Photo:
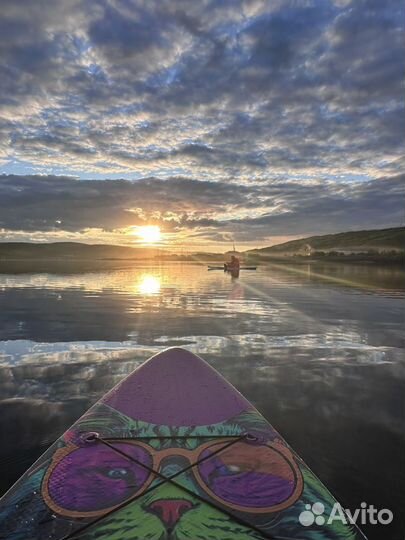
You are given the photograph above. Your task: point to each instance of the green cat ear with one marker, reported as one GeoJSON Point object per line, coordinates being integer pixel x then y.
{"type": "Point", "coordinates": [251, 421]}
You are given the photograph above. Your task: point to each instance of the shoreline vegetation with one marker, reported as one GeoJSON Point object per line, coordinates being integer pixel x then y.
{"type": "Point", "coordinates": [381, 246]}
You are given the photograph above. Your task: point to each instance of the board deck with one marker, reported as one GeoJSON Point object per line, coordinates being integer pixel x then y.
{"type": "Point", "coordinates": [172, 452]}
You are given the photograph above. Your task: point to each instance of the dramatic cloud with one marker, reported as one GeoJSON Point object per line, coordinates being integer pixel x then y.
{"type": "Point", "coordinates": [197, 211]}
{"type": "Point", "coordinates": [207, 104]}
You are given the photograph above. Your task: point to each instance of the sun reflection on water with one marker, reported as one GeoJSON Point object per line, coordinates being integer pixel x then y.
{"type": "Point", "coordinates": [149, 284]}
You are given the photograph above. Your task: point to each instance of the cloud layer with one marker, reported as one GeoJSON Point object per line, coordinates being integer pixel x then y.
{"type": "Point", "coordinates": [196, 211]}
{"type": "Point", "coordinates": [220, 106]}
{"type": "Point", "coordinates": [214, 89]}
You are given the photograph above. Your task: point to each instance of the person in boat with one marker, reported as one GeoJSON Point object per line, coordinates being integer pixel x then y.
{"type": "Point", "coordinates": [234, 265]}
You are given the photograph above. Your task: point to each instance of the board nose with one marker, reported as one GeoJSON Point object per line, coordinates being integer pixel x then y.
{"type": "Point", "coordinates": [177, 388]}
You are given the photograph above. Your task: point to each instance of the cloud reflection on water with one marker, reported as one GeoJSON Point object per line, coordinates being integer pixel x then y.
{"type": "Point", "coordinates": [321, 358]}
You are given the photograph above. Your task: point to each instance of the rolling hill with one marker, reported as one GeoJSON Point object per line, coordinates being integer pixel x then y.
{"type": "Point", "coordinates": [378, 240]}
{"type": "Point", "coordinates": [71, 250]}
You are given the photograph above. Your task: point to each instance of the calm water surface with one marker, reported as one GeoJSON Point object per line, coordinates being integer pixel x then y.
{"type": "Point", "coordinates": [318, 349]}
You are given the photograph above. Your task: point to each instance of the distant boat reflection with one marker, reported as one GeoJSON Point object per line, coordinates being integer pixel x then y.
{"type": "Point", "coordinates": [149, 284]}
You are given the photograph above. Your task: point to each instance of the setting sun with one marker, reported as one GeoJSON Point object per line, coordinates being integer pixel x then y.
{"type": "Point", "coordinates": [149, 233]}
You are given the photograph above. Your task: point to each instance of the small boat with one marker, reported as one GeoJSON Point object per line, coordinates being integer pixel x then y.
{"type": "Point", "coordinates": [224, 268]}
{"type": "Point", "coordinates": [172, 452]}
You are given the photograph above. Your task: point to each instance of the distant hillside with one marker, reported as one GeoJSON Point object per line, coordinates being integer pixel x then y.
{"type": "Point", "coordinates": [70, 250]}
{"type": "Point", "coordinates": [380, 240]}
{"type": "Point", "coordinates": [76, 251]}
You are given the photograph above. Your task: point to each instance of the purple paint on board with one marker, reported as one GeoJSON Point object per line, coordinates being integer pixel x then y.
{"type": "Point", "coordinates": [251, 488]}
{"type": "Point", "coordinates": [93, 478]}
{"type": "Point", "coordinates": [177, 388]}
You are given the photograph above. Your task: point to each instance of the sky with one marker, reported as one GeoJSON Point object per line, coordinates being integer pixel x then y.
{"type": "Point", "coordinates": [246, 120]}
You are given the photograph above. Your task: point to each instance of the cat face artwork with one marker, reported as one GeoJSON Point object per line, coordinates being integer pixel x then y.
{"type": "Point", "coordinates": [164, 457]}
{"type": "Point", "coordinates": [88, 480]}
{"type": "Point", "coordinates": [220, 483]}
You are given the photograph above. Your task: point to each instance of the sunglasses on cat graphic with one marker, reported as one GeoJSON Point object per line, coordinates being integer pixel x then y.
{"type": "Point", "coordinates": [89, 481]}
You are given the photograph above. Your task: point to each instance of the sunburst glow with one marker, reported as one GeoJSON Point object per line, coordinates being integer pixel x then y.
{"type": "Point", "coordinates": [150, 234]}
{"type": "Point", "coordinates": [149, 284]}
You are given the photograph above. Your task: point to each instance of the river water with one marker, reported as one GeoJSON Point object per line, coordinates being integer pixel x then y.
{"type": "Point", "coordinates": [318, 349]}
